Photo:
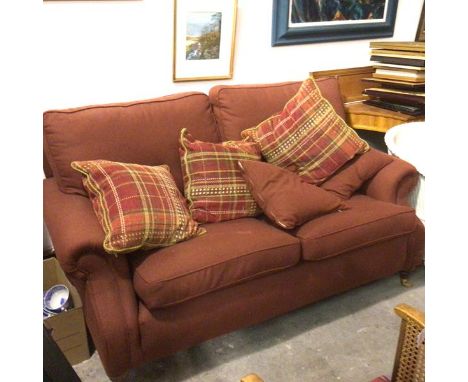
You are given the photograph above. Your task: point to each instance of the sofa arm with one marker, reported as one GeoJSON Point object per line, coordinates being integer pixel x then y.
{"type": "Point", "coordinates": [111, 312]}
{"type": "Point", "coordinates": [104, 281]}
{"type": "Point", "coordinates": [393, 183]}
{"type": "Point", "coordinates": [72, 224]}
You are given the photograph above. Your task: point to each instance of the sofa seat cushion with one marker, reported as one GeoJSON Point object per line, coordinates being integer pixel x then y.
{"type": "Point", "coordinates": [230, 252]}
{"type": "Point", "coordinates": [363, 222]}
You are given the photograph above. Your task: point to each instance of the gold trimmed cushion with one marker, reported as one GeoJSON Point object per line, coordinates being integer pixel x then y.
{"type": "Point", "coordinates": [139, 207]}
{"type": "Point", "coordinates": [213, 182]}
{"type": "Point", "coordinates": [307, 136]}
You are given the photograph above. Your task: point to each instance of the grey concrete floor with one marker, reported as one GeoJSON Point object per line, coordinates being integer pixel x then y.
{"type": "Point", "coordinates": [350, 337]}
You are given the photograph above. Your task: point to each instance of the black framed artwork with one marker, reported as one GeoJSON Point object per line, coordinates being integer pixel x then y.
{"type": "Point", "coordinates": [311, 21]}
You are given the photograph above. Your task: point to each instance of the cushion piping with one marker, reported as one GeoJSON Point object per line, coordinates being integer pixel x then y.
{"type": "Point", "coordinates": [168, 98]}
{"type": "Point", "coordinates": [215, 264]}
{"type": "Point", "coordinates": [366, 244]}
{"type": "Point", "coordinates": [225, 286]}
{"type": "Point", "coordinates": [242, 87]}
{"type": "Point", "coordinates": [355, 226]}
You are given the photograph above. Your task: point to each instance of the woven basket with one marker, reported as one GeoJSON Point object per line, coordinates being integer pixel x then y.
{"type": "Point", "coordinates": [409, 359]}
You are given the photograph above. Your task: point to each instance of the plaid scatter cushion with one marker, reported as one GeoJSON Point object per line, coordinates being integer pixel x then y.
{"type": "Point", "coordinates": [139, 207]}
{"type": "Point", "coordinates": [213, 182]}
{"type": "Point", "coordinates": [307, 136]}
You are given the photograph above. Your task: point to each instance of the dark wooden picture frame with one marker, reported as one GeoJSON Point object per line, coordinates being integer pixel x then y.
{"type": "Point", "coordinates": [421, 32]}
{"type": "Point", "coordinates": [284, 34]}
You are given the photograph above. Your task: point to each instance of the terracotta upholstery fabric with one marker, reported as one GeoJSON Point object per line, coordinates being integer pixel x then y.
{"type": "Point", "coordinates": [230, 252]}
{"type": "Point", "coordinates": [143, 132]}
{"type": "Point", "coordinates": [416, 247]}
{"type": "Point", "coordinates": [139, 207]}
{"type": "Point", "coordinates": [353, 174]}
{"type": "Point", "coordinates": [87, 234]}
{"type": "Point", "coordinates": [240, 107]}
{"type": "Point", "coordinates": [125, 331]}
{"type": "Point", "coordinates": [393, 183]}
{"type": "Point", "coordinates": [284, 196]}
{"type": "Point", "coordinates": [363, 223]}
{"type": "Point", "coordinates": [104, 282]}
{"type": "Point", "coordinates": [213, 183]}
{"type": "Point", "coordinates": [307, 136]}
{"type": "Point", "coordinates": [166, 331]}
{"type": "Point", "coordinates": [111, 312]}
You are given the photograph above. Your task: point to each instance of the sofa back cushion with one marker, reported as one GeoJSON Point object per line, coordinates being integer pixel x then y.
{"type": "Point", "coordinates": [143, 132]}
{"type": "Point", "coordinates": [240, 107]}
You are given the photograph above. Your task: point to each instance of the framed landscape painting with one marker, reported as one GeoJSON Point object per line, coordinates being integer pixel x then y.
{"type": "Point", "coordinates": [204, 37]}
{"type": "Point", "coordinates": [311, 21]}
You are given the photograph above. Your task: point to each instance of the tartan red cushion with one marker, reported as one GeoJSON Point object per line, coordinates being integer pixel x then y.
{"type": "Point", "coordinates": [213, 182]}
{"type": "Point", "coordinates": [139, 207]}
{"type": "Point", "coordinates": [307, 136]}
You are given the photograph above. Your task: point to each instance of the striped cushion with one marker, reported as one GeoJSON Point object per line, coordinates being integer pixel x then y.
{"type": "Point", "coordinates": [213, 182]}
{"type": "Point", "coordinates": [307, 136]}
{"type": "Point", "coordinates": [139, 207]}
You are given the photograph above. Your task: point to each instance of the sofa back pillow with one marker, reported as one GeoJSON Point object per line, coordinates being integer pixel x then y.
{"type": "Point", "coordinates": [284, 196]}
{"type": "Point", "coordinates": [355, 173]}
{"type": "Point", "coordinates": [307, 136]}
{"type": "Point", "coordinates": [138, 207]}
{"type": "Point", "coordinates": [144, 132]}
{"type": "Point", "coordinates": [239, 107]}
{"type": "Point", "coordinates": [213, 183]}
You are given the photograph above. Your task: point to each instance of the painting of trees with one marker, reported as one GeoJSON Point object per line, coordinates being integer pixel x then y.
{"type": "Point", "coordinates": [203, 36]}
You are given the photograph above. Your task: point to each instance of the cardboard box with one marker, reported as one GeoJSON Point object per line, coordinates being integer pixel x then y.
{"type": "Point", "coordinates": [68, 328]}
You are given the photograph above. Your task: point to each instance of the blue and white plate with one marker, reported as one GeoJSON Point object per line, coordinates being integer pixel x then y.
{"type": "Point", "coordinates": [56, 299]}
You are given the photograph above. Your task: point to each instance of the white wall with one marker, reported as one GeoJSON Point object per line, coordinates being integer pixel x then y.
{"type": "Point", "coordinates": [111, 51]}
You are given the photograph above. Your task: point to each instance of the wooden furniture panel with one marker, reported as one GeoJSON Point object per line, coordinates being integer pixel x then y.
{"type": "Point", "coordinates": [366, 117]}
{"type": "Point", "coordinates": [349, 80]}
{"type": "Point", "coordinates": [359, 115]}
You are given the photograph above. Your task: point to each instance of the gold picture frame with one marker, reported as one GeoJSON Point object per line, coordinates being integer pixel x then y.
{"type": "Point", "coordinates": [421, 32]}
{"type": "Point", "coordinates": [204, 39]}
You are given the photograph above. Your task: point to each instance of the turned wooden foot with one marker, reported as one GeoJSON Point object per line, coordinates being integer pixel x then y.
{"type": "Point", "coordinates": [404, 279]}
{"type": "Point", "coordinates": [251, 378]}
{"type": "Point", "coordinates": [121, 378]}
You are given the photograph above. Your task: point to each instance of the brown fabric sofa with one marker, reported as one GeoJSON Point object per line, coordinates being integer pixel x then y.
{"type": "Point", "coordinates": [146, 305]}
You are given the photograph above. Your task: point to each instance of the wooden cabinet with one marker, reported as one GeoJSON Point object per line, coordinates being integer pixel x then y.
{"type": "Point", "coordinates": [359, 115]}
{"type": "Point", "coordinates": [366, 117]}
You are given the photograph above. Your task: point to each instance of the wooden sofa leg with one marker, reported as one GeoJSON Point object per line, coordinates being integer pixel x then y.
{"type": "Point", "coordinates": [404, 279]}
{"type": "Point", "coordinates": [120, 378]}
{"type": "Point", "coordinates": [251, 378]}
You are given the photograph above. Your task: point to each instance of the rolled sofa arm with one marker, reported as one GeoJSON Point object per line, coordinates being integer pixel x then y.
{"type": "Point", "coordinates": [103, 281]}
{"type": "Point", "coordinates": [73, 227]}
{"type": "Point", "coordinates": [393, 183]}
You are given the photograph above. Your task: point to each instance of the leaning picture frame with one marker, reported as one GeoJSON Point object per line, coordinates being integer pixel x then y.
{"type": "Point", "coordinates": [421, 32]}
{"type": "Point", "coordinates": [204, 39]}
{"type": "Point", "coordinates": [313, 21]}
